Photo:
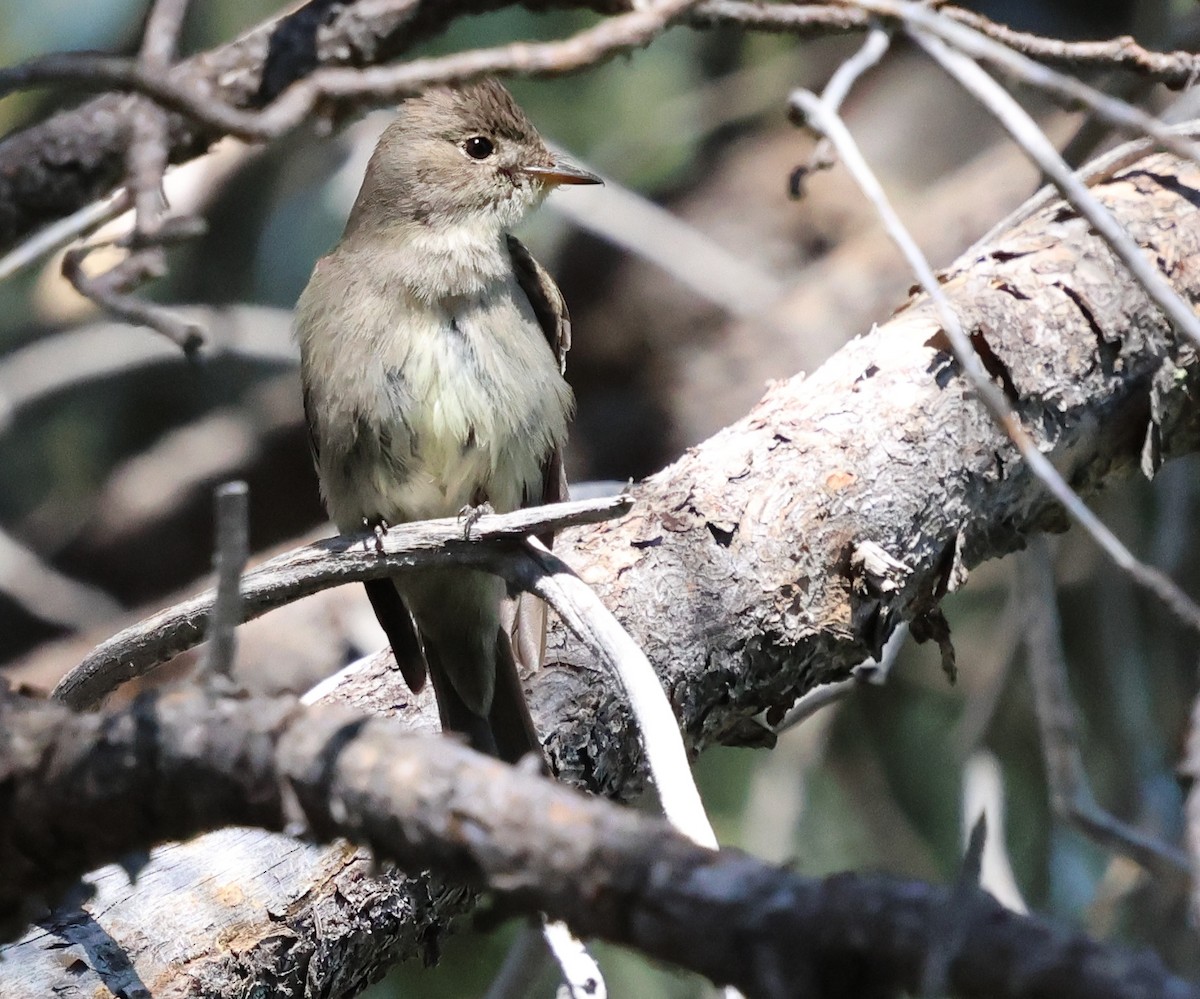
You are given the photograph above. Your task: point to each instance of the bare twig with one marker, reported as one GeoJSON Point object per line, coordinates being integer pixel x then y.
{"type": "Point", "coordinates": [1174, 69]}
{"type": "Point", "coordinates": [111, 290]}
{"type": "Point", "coordinates": [848, 72]}
{"type": "Point", "coordinates": [215, 90]}
{"type": "Point", "coordinates": [297, 573]}
{"type": "Point", "coordinates": [548, 576]}
{"type": "Point", "coordinates": [581, 975]}
{"type": "Point", "coordinates": [149, 151]}
{"type": "Point", "coordinates": [1068, 89]}
{"type": "Point", "coordinates": [813, 112]}
{"type": "Point", "coordinates": [835, 93]}
{"type": "Point", "coordinates": [146, 159]}
{"type": "Point", "coordinates": [378, 84]}
{"type": "Point", "coordinates": [871, 671]}
{"type": "Point", "coordinates": [58, 235]}
{"type": "Point", "coordinates": [1070, 792]}
{"type": "Point", "coordinates": [983, 796]}
{"type": "Point", "coordinates": [232, 547]}
{"type": "Point", "coordinates": [1032, 139]}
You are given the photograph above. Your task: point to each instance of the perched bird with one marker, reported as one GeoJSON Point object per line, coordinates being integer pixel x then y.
{"type": "Point", "coordinates": [432, 355]}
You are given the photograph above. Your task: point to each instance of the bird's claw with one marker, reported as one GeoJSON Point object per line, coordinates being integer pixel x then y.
{"type": "Point", "coordinates": [380, 527]}
{"type": "Point", "coordinates": [470, 515]}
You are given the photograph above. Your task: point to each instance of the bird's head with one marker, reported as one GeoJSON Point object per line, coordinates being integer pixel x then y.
{"type": "Point", "coordinates": [461, 156]}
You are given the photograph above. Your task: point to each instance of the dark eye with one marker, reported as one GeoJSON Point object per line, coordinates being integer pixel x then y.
{"type": "Point", "coordinates": [479, 147]}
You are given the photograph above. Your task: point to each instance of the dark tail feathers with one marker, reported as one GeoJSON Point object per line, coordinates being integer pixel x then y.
{"type": "Point", "coordinates": [507, 732]}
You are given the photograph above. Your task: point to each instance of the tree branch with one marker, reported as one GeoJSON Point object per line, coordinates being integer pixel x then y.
{"type": "Point", "coordinates": [91, 787]}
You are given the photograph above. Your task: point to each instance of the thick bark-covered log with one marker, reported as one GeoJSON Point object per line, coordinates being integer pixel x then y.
{"type": "Point", "coordinates": [768, 559]}
{"type": "Point", "coordinates": [749, 570]}
{"type": "Point", "coordinates": [87, 786]}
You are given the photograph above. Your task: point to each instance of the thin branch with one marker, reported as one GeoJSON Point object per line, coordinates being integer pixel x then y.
{"type": "Point", "coordinates": [56, 236]}
{"type": "Point", "coordinates": [983, 796]}
{"type": "Point", "coordinates": [814, 113]}
{"type": "Point", "coordinates": [581, 975]}
{"type": "Point", "coordinates": [872, 671]}
{"type": "Point", "coordinates": [231, 510]}
{"type": "Point", "coordinates": [1070, 792]}
{"type": "Point", "coordinates": [873, 48]}
{"type": "Point", "coordinates": [1177, 70]}
{"type": "Point", "coordinates": [111, 290]}
{"type": "Point", "coordinates": [979, 45]}
{"type": "Point", "coordinates": [371, 84]}
{"type": "Point", "coordinates": [315, 567]}
{"type": "Point", "coordinates": [620, 33]}
{"type": "Point", "coordinates": [1174, 69]}
{"type": "Point", "coordinates": [549, 577]}
{"type": "Point", "coordinates": [214, 90]}
{"type": "Point", "coordinates": [149, 150]}
{"type": "Point", "coordinates": [1033, 141]}
{"type": "Point", "coordinates": [146, 157]}
{"type": "Point", "coordinates": [835, 93]}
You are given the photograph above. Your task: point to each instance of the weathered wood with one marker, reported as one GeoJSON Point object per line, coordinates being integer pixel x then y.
{"type": "Point", "coordinates": [194, 760]}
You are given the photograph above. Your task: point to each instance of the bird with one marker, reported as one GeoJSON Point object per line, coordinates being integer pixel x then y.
{"type": "Point", "coordinates": [432, 349]}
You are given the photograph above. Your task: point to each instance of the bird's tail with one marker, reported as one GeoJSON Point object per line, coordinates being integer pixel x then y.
{"type": "Point", "coordinates": [507, 730]}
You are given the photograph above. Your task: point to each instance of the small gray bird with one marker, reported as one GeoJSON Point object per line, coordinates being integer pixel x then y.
{"type": "Point", "coordinates": [432, 354]}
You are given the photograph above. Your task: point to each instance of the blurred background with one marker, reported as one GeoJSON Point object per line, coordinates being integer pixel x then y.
{"type": "Point", "coordinates": [693, 279]}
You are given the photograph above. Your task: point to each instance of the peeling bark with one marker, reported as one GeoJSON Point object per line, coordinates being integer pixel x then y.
{"type": "Point", "coordinates": [191, 760]}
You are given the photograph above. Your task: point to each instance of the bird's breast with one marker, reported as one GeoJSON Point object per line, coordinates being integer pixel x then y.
{"type": "Point", "coordinates": [464, 406]}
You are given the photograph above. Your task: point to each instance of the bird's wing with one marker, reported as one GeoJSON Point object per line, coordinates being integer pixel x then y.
{"type": "Point", "coordinates": [313, 447]}
{"type": "Point", "coordinates": [528, 628]}
{"type": "Point", "coordinates": [389, 607]}
{"type": "Point", "coordinates": [551, 310]}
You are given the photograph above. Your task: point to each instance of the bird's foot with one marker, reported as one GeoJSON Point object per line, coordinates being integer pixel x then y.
{"type": "Point", "coordinates": [470, 515]}
{"type": "Point", "coordinates": [380, 527]}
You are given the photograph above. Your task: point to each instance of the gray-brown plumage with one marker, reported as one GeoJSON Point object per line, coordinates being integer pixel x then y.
{"type": "Point", "coordinates": [432, 348]}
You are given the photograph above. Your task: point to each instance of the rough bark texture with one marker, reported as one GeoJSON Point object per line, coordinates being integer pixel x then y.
{"type": "Point", "coordinates": [737, 570]}
{"type": "Point", "coordinates": [741, 570]}
{"type": "Point", "coordinates": [175, 763]}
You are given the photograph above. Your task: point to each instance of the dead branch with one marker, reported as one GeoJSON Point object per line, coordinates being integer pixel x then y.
{"type": "Point", "coordinates": [91, 787]}
{"type": "Point", "coordinates": [1071, 795]}
{"type": "Point", "coordinates": [352, 558]}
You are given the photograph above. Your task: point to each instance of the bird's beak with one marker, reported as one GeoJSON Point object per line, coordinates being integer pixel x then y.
{"type": "Point", "coordinates": [560, 171]}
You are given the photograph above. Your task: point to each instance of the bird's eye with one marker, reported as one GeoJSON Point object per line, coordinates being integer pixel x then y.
{"type": "Point", "coordinates": [479, 147]}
